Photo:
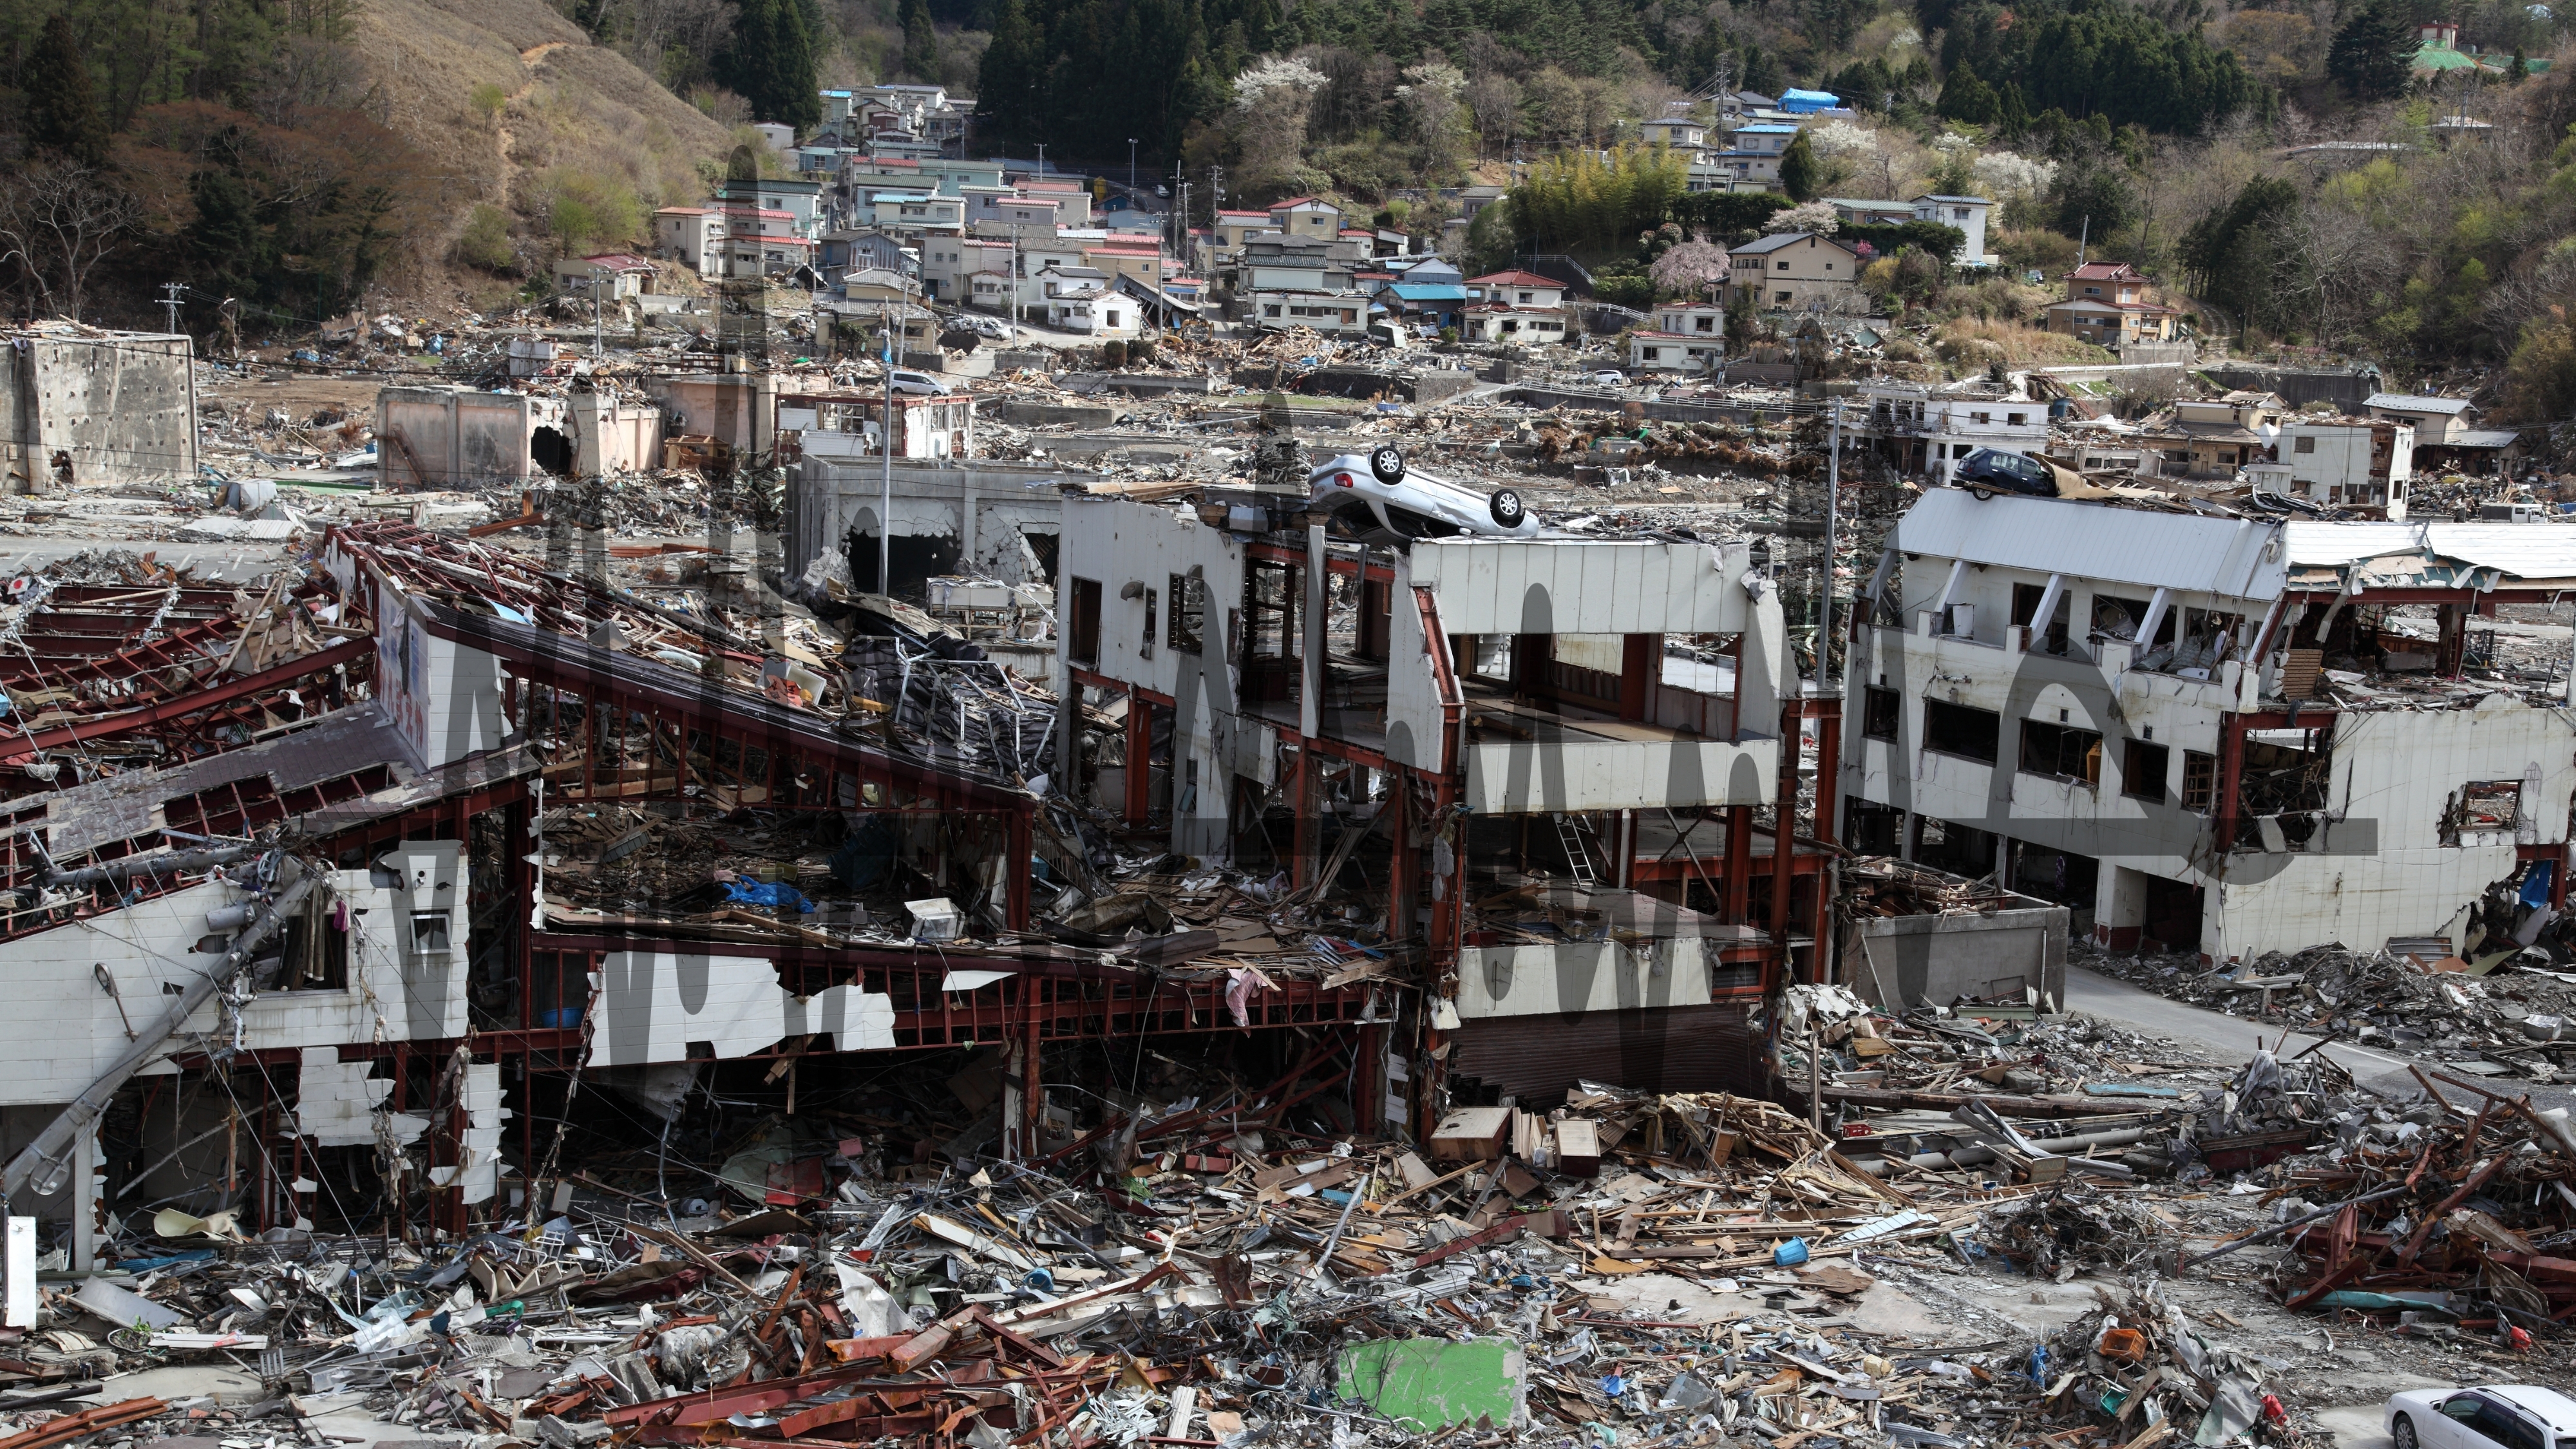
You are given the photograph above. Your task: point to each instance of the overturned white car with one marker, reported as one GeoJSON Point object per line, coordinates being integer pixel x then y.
{"type": "Point", "coordinates": [1384, 500]}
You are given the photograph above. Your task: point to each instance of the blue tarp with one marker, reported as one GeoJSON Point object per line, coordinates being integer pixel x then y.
{"type": "Point", "coordinates": [2535, 886]}
{"type": "Point", "coordinates": [762, 893]}
{"type": "Point", "coordinates": [1799, 103]}
{"type": "Point", "coordinates": [1428, 292]}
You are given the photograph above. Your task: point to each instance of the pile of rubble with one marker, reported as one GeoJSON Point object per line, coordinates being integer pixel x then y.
{"type": "Point", "coordinates": [2509, 1013]}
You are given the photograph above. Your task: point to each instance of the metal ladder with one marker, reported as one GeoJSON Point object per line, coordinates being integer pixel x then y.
{"type": "Point", "coordinates": [1570, 830]}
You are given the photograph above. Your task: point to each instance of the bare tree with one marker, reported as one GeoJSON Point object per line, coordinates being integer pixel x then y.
{"type": "Point", "coordinates": [2338, 268]}
{"type": "Point", "coordinates": [1495, 101]}
{"type": "Point", "coordinates": [57, 223]}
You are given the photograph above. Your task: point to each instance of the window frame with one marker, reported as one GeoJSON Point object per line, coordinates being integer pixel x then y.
{"type": "Point", "coordinates": [1082, 623]}
{"type": "Point", "coordinates": [1882, 712]}
{"type": "Point", "coordinates": [1185, 628]}
{"type": "Point", "coordinates": [2033, 742]}
{"type": "Point", "coordinates": [2132, 753]}
{"type": "Point", "coordinates": [1934, 710]}
{"type": "Point", "coordinates": [2199, 782]}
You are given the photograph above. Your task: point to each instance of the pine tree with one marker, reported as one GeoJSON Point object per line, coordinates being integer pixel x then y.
{"type": "Point", "coordinates": [1006, 82]}
{"type": "Point", "coordinates": [920, 41]}
{"type": "Point", "coordinates": [770, 62]}
{"type": "Point", "coordinates": [2520, 68]}
{"type": "Point", "coordinates": [62, 116]}
{"type": "Point", "coordinates": [1966, 98]}
{"type": "Point", "coordinates": [2012, 113]}
{"type": "Point", "coordinates": [1799, 171]}
{"type": "Point", "coordinates": [2373, 53]}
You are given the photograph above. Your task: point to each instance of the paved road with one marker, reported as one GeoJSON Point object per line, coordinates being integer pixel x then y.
{"type": "Point", "coordinates": [2231, 1039]}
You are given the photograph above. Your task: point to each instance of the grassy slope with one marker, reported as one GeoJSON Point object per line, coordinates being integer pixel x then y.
{"type": "Point", "coordinates": [573, 104]}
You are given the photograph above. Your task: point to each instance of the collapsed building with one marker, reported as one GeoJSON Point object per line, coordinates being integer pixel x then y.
{"type": "Point", "coordinates": [2219, 734]}
{"type": "Point", "coordinates": [1537, 763]}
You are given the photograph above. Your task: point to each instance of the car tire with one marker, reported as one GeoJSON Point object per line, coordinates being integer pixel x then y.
{"type": "Point", "coordinates": [1981, 494]}
{"type": "Point", "coordinates": [1506, 508]}
{"type": "Point", "coordinates": [2401, 1431]}
{"type": "Point", "coordinates": [1387, 464]}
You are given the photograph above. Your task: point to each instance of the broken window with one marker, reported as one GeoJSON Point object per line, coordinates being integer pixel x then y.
{"type": "Point", "coordinates": [2062, 751]}
{"type": "Point", "coordinates": [2285, 771]}
{"type": "Point", "coordinates": [2142, 770]}
{"type": "Point", "coordinates": [2118, 618]}
{"type": "Point", "coordinates": [2199, 781]}
{"type": "Point", "coordinates": [429, 933]}
{"type": "Point", "coordinates": [1955, 729]}
{"type": "Point", "coordinates": [2483, 805]}
{"type": "Point", "coordinates": [317, 953]}
{"type": "Point", "coordinates": [1082, 629]}
{"type": "Point", "coordinates": [2025, 610]}
{"type": "Point", "coordinates": [1880, 709]}
{"type": "Point", "coordinates": [1147, 641]}
{"type": "Point", "coordinates": [1189, 611]}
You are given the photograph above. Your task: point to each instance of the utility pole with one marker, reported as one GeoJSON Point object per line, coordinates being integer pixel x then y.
{"type": "Point", "coordinates": [598, 314]}
{"type": "Point", "coordinates": [1833, 500]}
{"type": "Point", "coordinates": [885, 443]}
{"type": "Point", "coordinates": [1042, 161]}
{"type": "Point", "coordinates": [1131, 165]}
{"type": "Point", "coordinates": [170, 303]}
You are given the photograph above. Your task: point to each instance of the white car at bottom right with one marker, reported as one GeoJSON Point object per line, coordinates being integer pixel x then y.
{"type": "Point", "coordinates": [2491, 1416]}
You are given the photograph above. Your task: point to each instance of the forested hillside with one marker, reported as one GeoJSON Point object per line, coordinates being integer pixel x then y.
{"type": "Point", "coordinates": [2281, 166]}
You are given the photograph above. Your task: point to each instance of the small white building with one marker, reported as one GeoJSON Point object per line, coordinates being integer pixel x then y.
{"type": "Point", "coordinates": [1343, 312]}
{"type": "Point", "coordinates": [1650, 351]}
{"type": "Point", "coordinates": [1095, 312]}
{"type": "Point", "coordinates": [1519, 289]}
{"type": "Point", "coordinates": [1511, 322]}
{"type": "Point", "coordinates": [1926, 429]}
{"type": "Point", "coordinates": [841, 426]}
{"type": "Point", "coordinates": [692, 236]}
{"type": "Point", "coordinates": [2348, 462]}
{"type": "Point", "coordinates": [1968, 214]}
{"type": "Point", "coordinates": [1691, 319]}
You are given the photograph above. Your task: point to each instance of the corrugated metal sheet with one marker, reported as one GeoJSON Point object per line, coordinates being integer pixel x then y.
{"type": "Point", "coordinates": [1672, 1049]}
{"type": "Point", "coordinates": [2522, 550]}
{"type": "Point", "coordinates": [2231, 557]}
{"type": "Point", "coordinates": [1584, 586]}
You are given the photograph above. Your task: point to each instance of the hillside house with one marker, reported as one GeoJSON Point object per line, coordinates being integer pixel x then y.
{"type": "Point", "coordinates": [1793, 271]}
{"type": "Point", "coordinates": [1304, 218]}
{"type": "Point", "coordinates": [2108, 303]}
{"type": "Point", "coordinates": [1968, 215]}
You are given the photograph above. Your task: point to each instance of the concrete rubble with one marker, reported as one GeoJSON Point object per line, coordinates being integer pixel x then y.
{"type": "Point", "coordinates": [547, 943]}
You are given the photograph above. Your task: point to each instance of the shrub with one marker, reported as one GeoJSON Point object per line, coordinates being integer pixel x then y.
{"type": "Point", "coordinates": [1140, 353]}
{"type": "Point", "coordinates": [486, 242]}
{"type": "Point", "coordinates": [487, 100]}
{"type": "Point", "coordinates": [1113, 353]}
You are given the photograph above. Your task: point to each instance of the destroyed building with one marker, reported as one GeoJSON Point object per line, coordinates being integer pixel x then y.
{"type": "Point", "coordinates": [1542, 757]}
{"type": "Point", "coordinates": [2221, 734]}
{"type": "Point", "coordinates": [85, 405]}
